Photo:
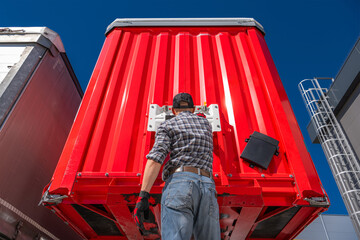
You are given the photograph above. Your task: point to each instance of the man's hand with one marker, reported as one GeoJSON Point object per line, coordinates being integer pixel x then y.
{"type": "Point", "coordinates": [141, 211]}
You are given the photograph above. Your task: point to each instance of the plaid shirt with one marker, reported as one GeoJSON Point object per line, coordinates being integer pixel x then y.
{"type": "Point", "coordinates": [189, 140]}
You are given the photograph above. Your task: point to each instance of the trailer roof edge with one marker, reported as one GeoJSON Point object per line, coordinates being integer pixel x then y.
{"type": "Point", "coordinates": [41, 35]}
{"type": "Point", "coordinates": [162, 22]}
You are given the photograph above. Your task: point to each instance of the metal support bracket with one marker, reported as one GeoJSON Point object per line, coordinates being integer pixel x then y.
{"type": "Point", "coordinates": [158, 115]}
{"type": "Point", "coordinates": [18, 226]}
{"type": "Point", "coordinates": [318, 201]}
{"type": "Point", "coordinates": [51, 199]}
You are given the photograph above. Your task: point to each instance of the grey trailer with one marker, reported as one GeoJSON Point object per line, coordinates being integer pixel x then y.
{"type": "Point", "coordinates": [39, 98]}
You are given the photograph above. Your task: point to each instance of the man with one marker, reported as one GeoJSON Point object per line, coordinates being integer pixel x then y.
{"type": "Point", "coordinates": [188, 203]}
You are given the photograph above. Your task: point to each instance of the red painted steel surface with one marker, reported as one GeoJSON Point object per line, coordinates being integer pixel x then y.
{"type": "Point", "coordinates": [104, 157]}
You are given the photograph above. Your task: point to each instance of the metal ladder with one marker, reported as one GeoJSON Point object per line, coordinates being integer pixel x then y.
{"type": "Point", "coordinates": [343, 162]}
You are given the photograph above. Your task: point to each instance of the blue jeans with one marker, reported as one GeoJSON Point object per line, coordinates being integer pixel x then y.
{"type": "Point", "coordinates": [189, 207]}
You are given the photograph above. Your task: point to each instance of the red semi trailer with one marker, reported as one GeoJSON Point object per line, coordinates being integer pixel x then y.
{"type": "Point", "coordinates": [227, 68]}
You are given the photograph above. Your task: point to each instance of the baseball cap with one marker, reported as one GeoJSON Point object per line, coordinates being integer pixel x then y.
{"type": "Point", "coordinates": [183, 97]}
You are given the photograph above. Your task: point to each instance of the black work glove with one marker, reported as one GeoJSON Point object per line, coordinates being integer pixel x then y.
{"type": "Point", "coordinates": [141, 211]}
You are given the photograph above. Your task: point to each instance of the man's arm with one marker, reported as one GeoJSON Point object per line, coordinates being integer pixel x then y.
{"type": "Point", "coordinates": [151, 172]}
{"type": "Point", "coordinates": [155, 159]}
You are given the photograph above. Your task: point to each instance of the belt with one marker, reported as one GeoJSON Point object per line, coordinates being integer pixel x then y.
{"type": "Point", "coordinates": [198, 171]}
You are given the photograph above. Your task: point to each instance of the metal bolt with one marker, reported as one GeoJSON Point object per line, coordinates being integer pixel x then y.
{"type": "Point", "coordinates": [152, 106]}
{"type": "Point", "coordinates": [138, 174]}
{"type": "Point", "coordinates": [215, 106]}
{"type": "Point", "coordinates": [216, 175]}
{"type": "Point", "coordinates": [224, 215]}
{"type": "Point", "coordinates": [150, 126]}
{"type": "Point", "coordinates": [218, 126]}
{"type": "Point", "coordinates": [291, 176]}
{"type": "Point", "coordinates": [262, 175]}
{"type": "Point", "coordinates": [106, 174]}
{"type": "Point", "coordinates": [229, 175]}
{"type": "Point", "coordinates": [79, 174]}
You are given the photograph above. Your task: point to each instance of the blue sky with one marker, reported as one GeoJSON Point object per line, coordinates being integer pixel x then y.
{"type": "Point", "coordinates": [306, 39]}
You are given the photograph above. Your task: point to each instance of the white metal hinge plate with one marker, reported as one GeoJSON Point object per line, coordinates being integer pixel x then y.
{"type": "Point", "coordinates": [158, 115]}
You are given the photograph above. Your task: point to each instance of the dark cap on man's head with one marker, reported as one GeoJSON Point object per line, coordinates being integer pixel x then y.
{"type": "Point", "coordinates": [183, 97]}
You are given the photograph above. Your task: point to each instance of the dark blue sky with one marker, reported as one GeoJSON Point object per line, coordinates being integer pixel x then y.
{"type": "Point", "coordinates": [306, 39]}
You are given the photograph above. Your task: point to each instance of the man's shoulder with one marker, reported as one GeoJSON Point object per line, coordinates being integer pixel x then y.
{"type": "Point", "coordinates": [192, 118]}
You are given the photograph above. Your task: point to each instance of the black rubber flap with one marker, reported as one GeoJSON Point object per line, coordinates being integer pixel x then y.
{"type": "Point", "coordinates": [272, 226]}
{"type": "Point", "coordinates": [101, 225]}
{"type": "Point", "coordinates": [260, 149]}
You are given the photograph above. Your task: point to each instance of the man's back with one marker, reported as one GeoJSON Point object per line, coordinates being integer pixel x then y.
{"type": "Point", "coordinates": [189, 139]}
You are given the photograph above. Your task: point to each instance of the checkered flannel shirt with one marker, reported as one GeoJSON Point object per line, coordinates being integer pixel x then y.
{"type": "Point", "coordinates": [189, 140]}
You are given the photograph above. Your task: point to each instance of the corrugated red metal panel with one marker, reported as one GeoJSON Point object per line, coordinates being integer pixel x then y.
{"type": "Point", "coordinates": [104, 158]}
